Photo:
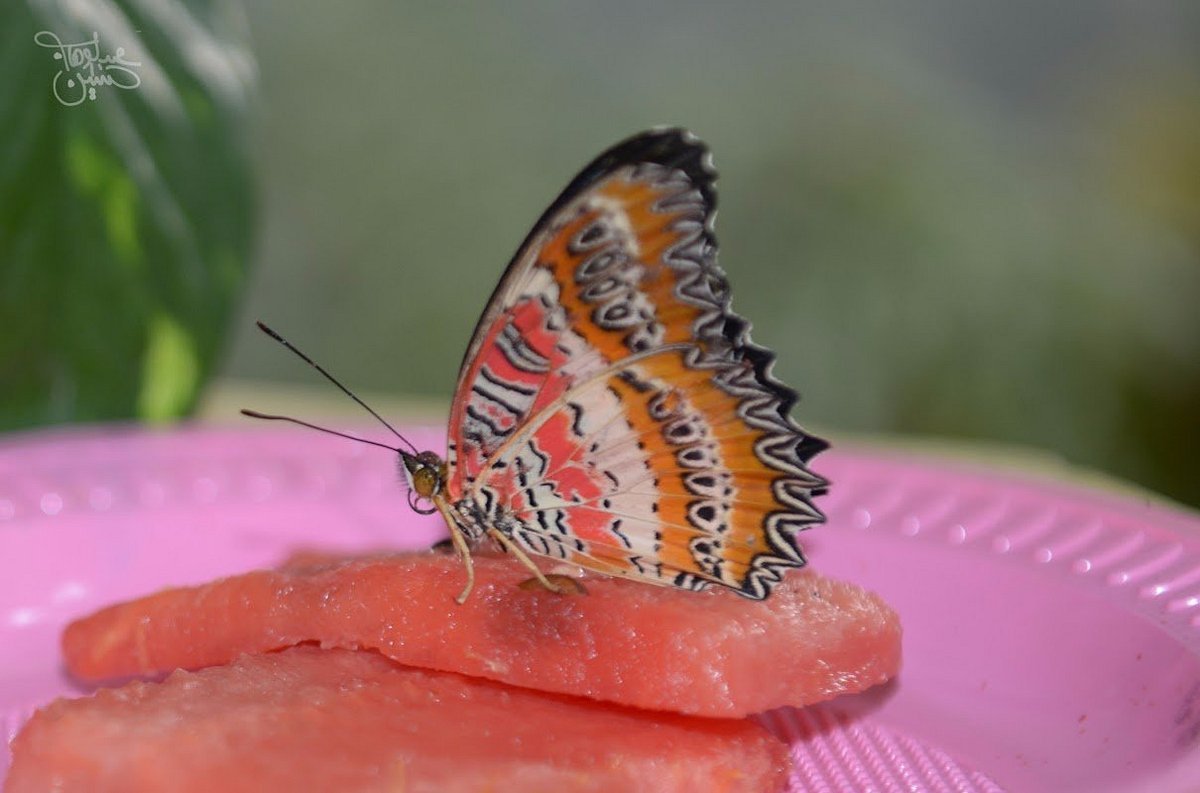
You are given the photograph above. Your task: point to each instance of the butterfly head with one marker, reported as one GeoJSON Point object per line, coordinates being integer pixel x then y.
{"type": "Point", "coordinates": [426, 475]}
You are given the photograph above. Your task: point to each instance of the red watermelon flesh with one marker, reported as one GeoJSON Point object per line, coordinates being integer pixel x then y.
{"type": "Point", "coordinates": [708, 653]}
{"type": "Point", "coordinates": [333, 720]}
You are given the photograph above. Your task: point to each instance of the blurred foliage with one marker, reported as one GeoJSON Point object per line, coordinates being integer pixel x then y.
{"type": "Point", "coordinates": [1154, 172]}
{"type": "Point", "coordinates": [975, 221]}
{"type": "Point", "coordinates": [125, 220]}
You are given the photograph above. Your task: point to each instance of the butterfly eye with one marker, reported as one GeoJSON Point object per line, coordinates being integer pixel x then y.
{"type": "Point", "coordinates": [426, 482]}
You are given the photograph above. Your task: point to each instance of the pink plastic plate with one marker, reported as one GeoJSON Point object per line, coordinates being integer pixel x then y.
{"type": "Point", "coordinates": [1052, 634]}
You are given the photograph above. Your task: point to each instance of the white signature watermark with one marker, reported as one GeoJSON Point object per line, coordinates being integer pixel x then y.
{"type": "Point", "coordinates": [83, 68]}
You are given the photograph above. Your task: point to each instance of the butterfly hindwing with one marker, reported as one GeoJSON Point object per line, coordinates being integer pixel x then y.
{"type": "Point", "coordinates": [611, 409]}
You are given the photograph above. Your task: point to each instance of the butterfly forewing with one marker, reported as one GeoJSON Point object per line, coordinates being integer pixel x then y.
{"type": "Point", "coordinates": [611, 409]}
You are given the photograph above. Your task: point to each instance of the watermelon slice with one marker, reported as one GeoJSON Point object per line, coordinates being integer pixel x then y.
{"type": "Point", "coordinates": [708, 653]}
{"type": "Point", "coordinates": [334, 720]}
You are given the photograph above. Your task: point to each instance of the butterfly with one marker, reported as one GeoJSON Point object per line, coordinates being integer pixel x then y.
{"type": "Point", "coordinates": [611, 411]}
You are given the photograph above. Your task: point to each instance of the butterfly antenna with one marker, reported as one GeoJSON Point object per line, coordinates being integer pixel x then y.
{"type": "Point", "coordinates": [254, 414]}
{"type": "Point", "coordinates": [334, 380]}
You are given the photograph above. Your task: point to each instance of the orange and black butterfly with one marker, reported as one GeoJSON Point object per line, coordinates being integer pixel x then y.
{"type": "Point", "coordinates": [611, 410]}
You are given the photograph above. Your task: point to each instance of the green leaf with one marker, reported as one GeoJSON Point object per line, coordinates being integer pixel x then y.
{"type": "Point", "coordinates": [170, 371]}
{"type": "Point", "coordinates": [125, 219]}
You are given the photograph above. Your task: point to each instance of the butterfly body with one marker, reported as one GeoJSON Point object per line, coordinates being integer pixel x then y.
{"type": "Point", "coordinates": [611, 410]}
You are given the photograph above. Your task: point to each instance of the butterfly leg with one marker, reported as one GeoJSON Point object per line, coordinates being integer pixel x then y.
{"type": "Point", "coordinates": [516, 551]}
{"type": "Point", "coordinates": [566, 584]}
{"type": "Point", "coordinates": [464, 553]}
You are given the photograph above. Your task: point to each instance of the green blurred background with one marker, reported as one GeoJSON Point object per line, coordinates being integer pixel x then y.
{"type": "Point", "coordinates": [964, 220]}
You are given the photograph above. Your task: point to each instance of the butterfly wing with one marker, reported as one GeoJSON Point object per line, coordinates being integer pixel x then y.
{"type": "Point", "coordinates": [611, 409]}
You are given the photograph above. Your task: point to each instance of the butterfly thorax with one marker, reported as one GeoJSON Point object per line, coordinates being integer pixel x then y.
{"type": "Point", "coordinates": [473, 518]}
